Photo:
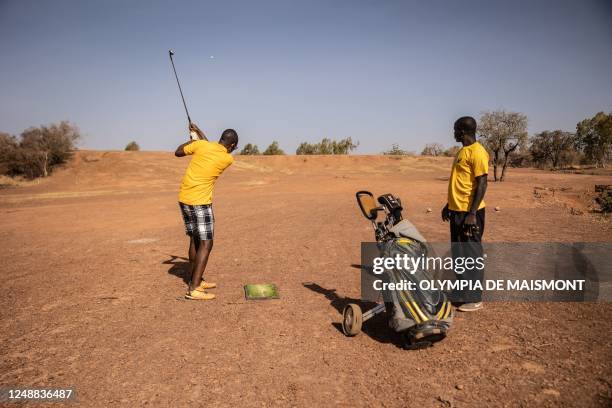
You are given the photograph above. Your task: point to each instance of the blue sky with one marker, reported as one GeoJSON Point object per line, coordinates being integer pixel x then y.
{"type": "Point", "coordinates": [382, 72]}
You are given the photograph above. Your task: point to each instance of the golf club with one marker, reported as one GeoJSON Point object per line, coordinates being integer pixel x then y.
{"type": "Point", "coordinates": [171, 53]}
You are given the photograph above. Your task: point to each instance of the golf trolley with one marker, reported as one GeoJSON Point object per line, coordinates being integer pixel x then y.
{"type": "Point", "coordinates": [422, 317]}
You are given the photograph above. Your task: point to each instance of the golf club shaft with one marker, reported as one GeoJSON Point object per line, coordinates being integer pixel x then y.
{"type": "Point", "coordinates": [179, 86]}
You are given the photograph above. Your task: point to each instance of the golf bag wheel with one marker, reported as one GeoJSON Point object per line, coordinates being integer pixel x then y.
{"type": "Point", "coordinates": [352, 319]}
{"type": "Point", "coordinates": [423, 336]}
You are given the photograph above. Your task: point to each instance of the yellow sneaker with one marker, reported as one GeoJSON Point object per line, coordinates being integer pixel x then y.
{"type": "Point", "coordinates": [205, 285]}
{"type": "Point", "coordinates": [470, 307]}
{"type": "Point", "coordinates": [197, 295]}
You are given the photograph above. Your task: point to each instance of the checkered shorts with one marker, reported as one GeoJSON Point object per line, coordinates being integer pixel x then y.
{"type": "Point", "coordinates": [199, 220]}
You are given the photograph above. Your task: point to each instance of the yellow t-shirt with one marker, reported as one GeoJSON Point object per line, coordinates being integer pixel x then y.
{"type": "Point", "coordinates": [208, 162]}
{"type": "Point", "coordinates": [471, 161]}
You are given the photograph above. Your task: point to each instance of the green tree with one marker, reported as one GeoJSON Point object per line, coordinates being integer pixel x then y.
{"type": "Point", "coordinates": [42, 148]}
{"type": "Point", "coordinates": [273, 150]}
{"type": "Point", "coordinates": [553, 148]}
{"type": "Point", "coordinates": [594, 138]}
{"type": "Point", "coordinates": [306, 148]}
{"type": "Point", "coordinates": [327, 146]}
{"type": "Point", "coordinates": [8, 146]}
{"type": "Point", "coordinates": [250, 150]}
{"type": "Point", "coordinates": [502, 132]}
{"type": "Point", "coordinates": [132, 147]}
{"type": "Point", "coordinates": [344, 146]}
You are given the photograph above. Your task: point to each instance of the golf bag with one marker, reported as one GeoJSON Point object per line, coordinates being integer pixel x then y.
{"type": "Point", "coordinates": [421, 316]}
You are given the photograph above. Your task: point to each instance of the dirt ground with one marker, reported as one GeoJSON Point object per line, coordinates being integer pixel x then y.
{"type": "Point", "coordinates": [93, 268]}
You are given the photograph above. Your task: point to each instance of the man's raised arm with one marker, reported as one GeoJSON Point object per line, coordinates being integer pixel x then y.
{"type": "Point", "coordinates": [180, 151]}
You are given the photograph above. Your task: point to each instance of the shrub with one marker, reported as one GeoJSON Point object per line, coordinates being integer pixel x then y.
{"type": "Point", "coordinates": [520, 159]}
{"type": "Point", "coordinates": [396, 151]}
{"type": "Point", "coordinates": [132, 147]}
{"type": "Point", "coordinates": [250, 150]}
{"type": "Point", "coordinates": [451, 151]}
{"type": "Point", "coordinates": [327, 146]}
{"type": "Point", "coordinates": [273, 150]}
{"type": "Point", "coordinates": [605, 202]}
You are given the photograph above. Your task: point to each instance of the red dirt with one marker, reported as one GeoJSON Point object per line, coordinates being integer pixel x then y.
{"type": "Point", "coordinates": [93, 269]}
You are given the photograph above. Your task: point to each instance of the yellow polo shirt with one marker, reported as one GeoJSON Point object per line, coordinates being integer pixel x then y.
{"type": "Point", "coordinates": [209, 160]}
{"type": "Point", "coordinates": [471, 161]}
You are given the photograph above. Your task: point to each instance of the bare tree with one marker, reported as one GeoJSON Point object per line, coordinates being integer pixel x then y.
{"type": "Point", "coordinates": [433, 149]}
{"type": "Point", "coordinates": [502, 132]}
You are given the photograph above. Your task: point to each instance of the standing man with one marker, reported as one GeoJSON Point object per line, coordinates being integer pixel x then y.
{"type": "Point", "coordinates": [209, 160]}
{"type": "Point", "coordinates": [465, 208]}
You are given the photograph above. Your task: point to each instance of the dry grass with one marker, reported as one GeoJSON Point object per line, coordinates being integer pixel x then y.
{"type": "Point", "coordinates": [8, 182]}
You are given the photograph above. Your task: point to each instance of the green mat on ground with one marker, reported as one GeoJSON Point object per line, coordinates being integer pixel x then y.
{"type": "Point", "coordinates": [256, 291]}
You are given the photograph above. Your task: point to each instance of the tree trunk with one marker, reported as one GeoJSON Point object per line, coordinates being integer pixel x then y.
{"type": "Point", "coordinates": [495, 161]}
{"type": "Point", "coordinates": [45, 164]}
{"type": "Point", "coordinates": [506, 155]}
{"type": "Point", "coordinates": [503, 173]}
{"type": "Point", "coordinates": [556, 158]}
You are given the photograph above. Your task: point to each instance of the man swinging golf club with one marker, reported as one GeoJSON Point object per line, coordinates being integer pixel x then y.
{"type": "Point", "coordinates": [208, 161]}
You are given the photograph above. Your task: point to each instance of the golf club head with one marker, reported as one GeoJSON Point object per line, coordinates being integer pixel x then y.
{"type": "Point", "coordinates": [171, 52]}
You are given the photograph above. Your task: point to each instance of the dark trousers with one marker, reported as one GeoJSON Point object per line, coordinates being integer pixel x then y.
{"type": "Point", "coordinates": [465, 246]}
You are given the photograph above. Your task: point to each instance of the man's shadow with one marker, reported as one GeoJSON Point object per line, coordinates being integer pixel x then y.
{"type": "Point", "coordinates": [181, 267]}
{"type": "Point", "coordinates": [376, 328]}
